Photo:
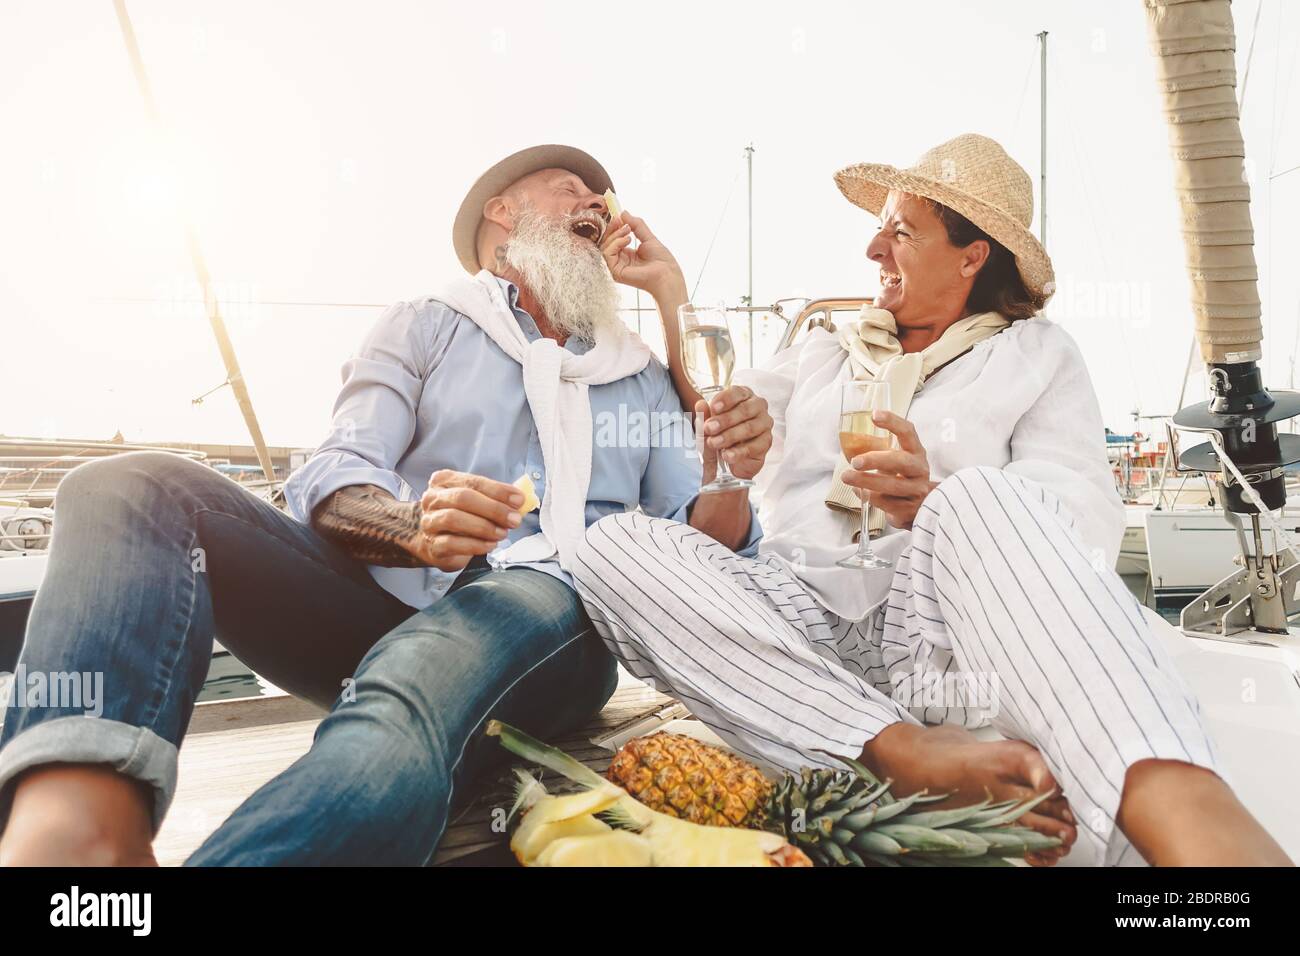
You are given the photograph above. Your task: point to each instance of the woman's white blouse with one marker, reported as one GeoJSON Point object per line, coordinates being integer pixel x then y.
{"type": "Point", "coordinates": [1020, 400]}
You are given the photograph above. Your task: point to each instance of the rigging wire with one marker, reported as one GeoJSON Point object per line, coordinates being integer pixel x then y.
{"type": "Point", "coordinates": [1250, 56]}
{"type": "Point", "coordinates": [721, 217]}
{"type": "Point", "coordinates": [1086, 174]}
{"type": "Point", "coordinates": [1286, 99]}
{"type": "Point", "coordinates": [136, 300]}
{"type": "Point", "coordinates": [242, 302]}
{"type": "Point", "coordinates": [1267, 316]}
{"type": "Point", "coordinates": [1024, 87]}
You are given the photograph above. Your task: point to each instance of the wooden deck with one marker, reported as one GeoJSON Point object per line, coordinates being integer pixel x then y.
{"type": "Point", "coordinates": [233, 747]}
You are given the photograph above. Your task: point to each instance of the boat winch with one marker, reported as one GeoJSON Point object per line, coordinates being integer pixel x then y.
{"type": "Point", "coordinates": [1246, 456]}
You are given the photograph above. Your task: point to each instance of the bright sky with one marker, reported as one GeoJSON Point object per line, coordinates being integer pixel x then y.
{"type": "Point", "coordinates": [323, 148]}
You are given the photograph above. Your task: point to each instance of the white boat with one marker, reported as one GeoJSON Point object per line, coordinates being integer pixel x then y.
{"type": "Point", "coordinates": [1190, 549]}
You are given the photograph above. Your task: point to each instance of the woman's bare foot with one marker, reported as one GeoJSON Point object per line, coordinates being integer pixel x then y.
{"type": "Point", "coordinates": [78, 815]}
{"type": "Point", "coordinates": [1178, 814]}
{"type": "Point", "coordinates": [951, 760]}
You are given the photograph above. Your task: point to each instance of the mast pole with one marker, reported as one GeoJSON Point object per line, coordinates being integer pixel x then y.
{"type": "Point", "coordinates": [749, 299]}
{"type": "Point", "coordinates": [1042, 136]}
{"type": "Point", "coordinates": [234, 376]}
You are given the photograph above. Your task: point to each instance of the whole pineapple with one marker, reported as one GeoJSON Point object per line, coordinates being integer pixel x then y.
{"type": "Point", "coordinates": [838, 817]}
{"type": "Point", "coordinates": [685, 778]}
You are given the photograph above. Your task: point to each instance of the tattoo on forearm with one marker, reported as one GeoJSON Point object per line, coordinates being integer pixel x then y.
{"type": "Point", "coordinates": [370, 525]}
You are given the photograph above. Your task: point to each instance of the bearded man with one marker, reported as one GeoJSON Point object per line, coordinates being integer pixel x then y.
{"type": "Point", "coordinates": [414, 617]}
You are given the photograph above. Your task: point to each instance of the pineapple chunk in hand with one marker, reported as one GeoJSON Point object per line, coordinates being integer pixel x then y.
{"type": "Point", "coordinates": [612, 204]}
{"type": "Point", "coordinates": [525, 484]}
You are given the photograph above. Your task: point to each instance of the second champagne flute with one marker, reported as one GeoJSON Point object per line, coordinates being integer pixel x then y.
{"type": "Point", "coordinates": [709, 359]}
{"type": "Point", "coordinates": [859, 434]}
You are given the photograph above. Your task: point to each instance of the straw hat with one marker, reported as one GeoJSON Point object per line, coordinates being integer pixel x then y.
{"type": "Point", "coordinates": [464, 231]}
{"type": "Point", "coordinates": [971, 175]}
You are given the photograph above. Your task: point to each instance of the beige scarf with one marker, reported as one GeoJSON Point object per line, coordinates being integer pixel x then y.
{"type": "Point", "coordinates": [875, 355]}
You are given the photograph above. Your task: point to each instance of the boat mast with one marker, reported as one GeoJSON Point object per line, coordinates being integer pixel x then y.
{"type": "Point", "coordinates": [1042, 138]}
{"type": "Point", "coordinates": [234, 377]}
{"type": "Point", "coordinates": [749, 299]}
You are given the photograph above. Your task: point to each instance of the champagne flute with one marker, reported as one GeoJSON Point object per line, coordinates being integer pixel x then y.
{"type": "Point", "coordinates": [709, 359]}
{"type": "Point", "coordinates": [858, 435]}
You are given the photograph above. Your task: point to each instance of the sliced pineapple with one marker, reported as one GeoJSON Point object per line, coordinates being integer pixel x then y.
{"type": "Point", "coordinates": [530, 841]}
{"type": "Point", "coordinates": [552, 809]}
{"type": "Point", "coordinates": [678, 843]}
{"type": "Point", "coordinates": [612, 204]}
{"type": "Point", "coordinates": [531, 502]}
{"type": "Point", "coordinates": [548, 817]}
{"type": "Point", "coordinates": [616, 848]}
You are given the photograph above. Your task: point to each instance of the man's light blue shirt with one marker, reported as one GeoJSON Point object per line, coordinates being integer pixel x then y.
{"type": "Point", "coordinates": [429, 390]}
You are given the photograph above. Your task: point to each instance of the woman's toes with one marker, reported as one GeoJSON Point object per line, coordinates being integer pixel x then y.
{"type": "Point", "coordinates": [1033, 769]}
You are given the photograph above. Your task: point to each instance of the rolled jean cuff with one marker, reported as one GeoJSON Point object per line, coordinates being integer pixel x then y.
{"type": "Point", "coordinates": [134, 751]}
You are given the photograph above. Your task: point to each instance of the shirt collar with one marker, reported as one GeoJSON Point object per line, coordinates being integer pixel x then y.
{"type": "Point", "coordinates": [526, 322]}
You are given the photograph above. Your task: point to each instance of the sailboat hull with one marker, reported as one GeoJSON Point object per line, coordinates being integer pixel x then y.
{"type": "Point", "coordinates": [1250, 700]}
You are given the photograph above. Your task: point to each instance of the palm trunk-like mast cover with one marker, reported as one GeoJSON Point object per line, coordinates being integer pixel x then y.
{"type": "Point", "coordinates": [1194, 44]}
{"type": "Point", "coordinates": [1194, 49]}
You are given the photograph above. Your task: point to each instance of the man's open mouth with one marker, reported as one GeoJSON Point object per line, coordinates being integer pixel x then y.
{"type": "Point", "coordinates": [588, 229]}
{"type": "Point", "coordinates": [889, 279]}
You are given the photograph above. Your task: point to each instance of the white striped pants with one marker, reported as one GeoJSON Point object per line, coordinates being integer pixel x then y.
{"type": "Point", "coordinates": [996, 616]}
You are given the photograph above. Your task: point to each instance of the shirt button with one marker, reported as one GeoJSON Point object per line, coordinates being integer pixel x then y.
{"type": "Point", "coordinates": [537, 476]}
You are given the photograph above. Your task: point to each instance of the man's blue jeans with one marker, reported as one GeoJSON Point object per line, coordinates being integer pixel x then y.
{"type": "Point", "coordinates": [154, 555]}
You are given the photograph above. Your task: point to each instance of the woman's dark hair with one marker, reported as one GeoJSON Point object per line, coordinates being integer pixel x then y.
{"type": "Point", "coordinates": [998, 286]}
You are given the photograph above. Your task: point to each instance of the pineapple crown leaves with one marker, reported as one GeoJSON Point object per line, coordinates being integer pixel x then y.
{"type": "Point", "coordinates": [528, 790]}
{"type": "Point", "coordinates": [530, 748]}
{"type": "Point", "coordinates": [977, 815]}
{"type": "Point", "coordinates": [621, 816]}
{"type": "Point", "coordinates": [849, 818]}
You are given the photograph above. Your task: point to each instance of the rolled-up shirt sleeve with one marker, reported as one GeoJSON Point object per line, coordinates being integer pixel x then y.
{"type": "Point", "coordinates": [374, 415]}
{"type": "Point", "coordinates": [671, 481]}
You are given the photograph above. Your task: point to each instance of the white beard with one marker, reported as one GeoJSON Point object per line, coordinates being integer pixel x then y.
{"type": "Point", "coordinates": [565, 273]}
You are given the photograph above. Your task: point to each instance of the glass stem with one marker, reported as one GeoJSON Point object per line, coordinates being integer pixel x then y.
{"type": "Point", "coordinates": [863, 546]}
{"type": "Point", "coordinates": [723, 472]}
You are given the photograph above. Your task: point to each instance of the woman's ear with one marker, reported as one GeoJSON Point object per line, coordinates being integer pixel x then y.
{"type": "Point", "coordinates": [973, 258]}
{"type": "Point", "coordinates": [499, 210]}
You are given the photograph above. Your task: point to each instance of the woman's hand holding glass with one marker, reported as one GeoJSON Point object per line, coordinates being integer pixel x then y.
{"type": "Point", "coordinates": [897, 479]}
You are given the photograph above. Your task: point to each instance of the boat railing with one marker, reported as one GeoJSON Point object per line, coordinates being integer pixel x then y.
{"type": "Point", "coordinates": [37, 462]}
{"type": "Point", "coordinates": [24, 542]}
{"type": "Point", "coordinates": [819, 313]}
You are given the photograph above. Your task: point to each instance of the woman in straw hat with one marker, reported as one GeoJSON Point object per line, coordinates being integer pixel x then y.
{"type": "Point", "coordinates": [1000, 520]}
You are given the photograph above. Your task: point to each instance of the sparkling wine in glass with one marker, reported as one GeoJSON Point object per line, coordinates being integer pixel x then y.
{"type": "Point", "coordinates": [709, 358]}
{"type": "Point", "coordinates": [859, 435]}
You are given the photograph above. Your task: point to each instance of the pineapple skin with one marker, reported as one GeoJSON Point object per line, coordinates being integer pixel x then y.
{"type": "Point", "coordinates": [684, 778]}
